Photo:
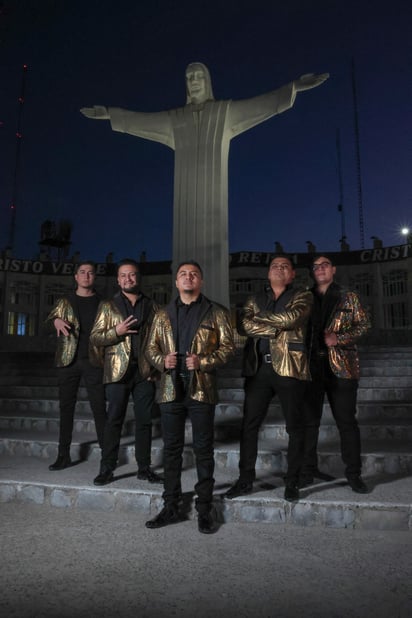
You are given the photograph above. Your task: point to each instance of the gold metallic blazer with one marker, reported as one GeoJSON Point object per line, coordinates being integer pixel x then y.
{"type": "Point", "coordinates": [349, 322]}
{"type": "Point", "coordinates": [115, 351]}
{"type": "Point", "coordinates": [66, 347]}
{"type": "Point", "coordinates": [285, 329]}
{"type": "Point", "coordinates": [212, 342]}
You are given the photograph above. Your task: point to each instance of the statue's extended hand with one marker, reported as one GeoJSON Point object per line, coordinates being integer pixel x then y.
{"type": "Point", "coordinates": [309, 80]}
{"type": "Point", "coordinates": [97, 112]}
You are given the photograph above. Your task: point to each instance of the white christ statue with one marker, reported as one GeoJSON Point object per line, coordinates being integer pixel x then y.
{"type": "Point", "coordinates": [200, 134]}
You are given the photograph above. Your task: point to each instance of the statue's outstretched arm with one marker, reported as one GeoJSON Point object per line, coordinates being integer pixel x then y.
{"type": "Point", "coordinates": [97, 112]}
{"type": "Point", "coordinates": [247, 113]}
{"type": "Point", "coordinates": [308, 81]}
{"type": "Point", "coordinates": [156, 127]}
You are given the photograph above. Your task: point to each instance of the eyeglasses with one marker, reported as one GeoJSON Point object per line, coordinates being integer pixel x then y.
{"type": "Point", "coordinates": [316, 267]}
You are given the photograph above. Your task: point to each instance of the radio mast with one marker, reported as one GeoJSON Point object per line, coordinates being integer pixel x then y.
{"type": "Point", "coordinates": [340, 205]}
{"type": "Point", "coordinates": [19, 137]}
{"type": "Point", "coordinates": [358, 161]}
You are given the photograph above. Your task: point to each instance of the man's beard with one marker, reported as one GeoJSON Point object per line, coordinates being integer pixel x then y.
{"type": "Point", "coordinates": [134, 289]}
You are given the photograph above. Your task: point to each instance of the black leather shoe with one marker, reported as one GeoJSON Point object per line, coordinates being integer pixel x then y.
{"type": "Point", "coordinates": [166, 517]}
{"type": "Point", "coordinates": [240, 488]}
{"type": "Point", "coordinates": [62, 462]}
{"type": "Point", "coordinates": [206, 523]}
{"type": "Point", "coordinates": [291, 493]}
{"type": "Point", "coordinates": [358, 485]}
{"type": "Point", "coordinates": [104, 478]}
{"type": "Point", "coordinates": [150, 476]}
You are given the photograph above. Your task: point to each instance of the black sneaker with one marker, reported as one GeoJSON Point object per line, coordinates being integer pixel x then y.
{"type": "Point", "coordinates": [240, 488]}
{"type": "Point", "coordinates": [150, 476]}
{"type": "Point", "coordinates": [62, 462]}
{"type": "Point", "coordinates": [358, 485]}
{"type": "Point", "coordinates": [206, 523]}
{"type": "Point", "coordinates": [104, 478]}
{"type": "Point", "coordinates": [291, 493]}
{"type": "Point", "coordinates": [166, 517]}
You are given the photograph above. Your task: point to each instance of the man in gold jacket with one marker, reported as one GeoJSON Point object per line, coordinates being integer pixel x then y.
{"type": "Point", "coordinates": [189, 339]}
{"type": "Point", "coordinates": [72, 319]}
{"type": "Point", "coordinates": [275, 362]}
{"type": "Point", "coordinates": [120, 331]}
{"type": "Point", "coordinates": [338, 321]}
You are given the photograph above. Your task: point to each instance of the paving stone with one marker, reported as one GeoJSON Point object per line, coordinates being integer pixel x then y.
{"type": "Point", "coordinates": [31, 493]}
{"type": "Point", "coordinates": [96, 500]}
{"type": "Point", "coordinates": [61, 498]}
{"type": "Point", "coordinates": [7, 492]}
{"type": "Point", "coordinates": [385, 519]}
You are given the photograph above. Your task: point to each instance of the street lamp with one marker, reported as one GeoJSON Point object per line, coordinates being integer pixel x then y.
{"type": "Point", "coordinates": [406, 232]}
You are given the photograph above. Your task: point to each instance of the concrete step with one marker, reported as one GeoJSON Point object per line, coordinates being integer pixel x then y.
{"type": "Point", "coordinates": [46, 387]}
{"type": "Point", "coordinates": [397, 377]}
{"type": "Point", "coordinates": [29, 380]}
{"type": "Point", "coordinates": [229, 409]}
{"type": "Point", "coordinates": [226, 427]}
{"type": "Point", "coordinates": [384, 352]}
{"type": "Point", "coordinates": [364, 394]}
{"type": "Point", "coordinates": [383, 382]}
{"type": "Point", "coordinates": [388, 432]}
{"type": "Point", "coordinates": [377, 455]}
{"type": "Point", "coordinates": [386, 371]}
{"type": "Point", "coordinates": [333, 505]}
{"type": "Point", "coordinates": [26, 368]}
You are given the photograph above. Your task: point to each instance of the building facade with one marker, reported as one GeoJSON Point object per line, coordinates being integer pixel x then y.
{"type": "Point", "coordinates": [382, 276]}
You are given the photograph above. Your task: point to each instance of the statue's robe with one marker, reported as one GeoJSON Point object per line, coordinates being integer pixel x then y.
{"type": "Point", "coordinates": [200, 136]}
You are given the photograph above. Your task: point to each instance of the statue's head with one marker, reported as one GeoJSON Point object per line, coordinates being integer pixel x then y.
{"type": "Point", "coordinates": [198, 83]}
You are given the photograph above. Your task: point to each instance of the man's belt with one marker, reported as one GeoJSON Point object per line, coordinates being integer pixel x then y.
{"type": "Point", "coordinates": [322, 353]}
{"type": "Point", "coordinates": [267, 358]}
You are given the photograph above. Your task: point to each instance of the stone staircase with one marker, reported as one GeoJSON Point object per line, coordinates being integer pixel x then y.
{"type": "Point", "coordinates": [29, 433]}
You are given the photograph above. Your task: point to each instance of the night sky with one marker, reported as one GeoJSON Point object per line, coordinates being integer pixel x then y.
{"type": "Point", "coordinates": [117, 190]}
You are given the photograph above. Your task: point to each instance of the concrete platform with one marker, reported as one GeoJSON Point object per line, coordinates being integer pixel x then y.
{"type": "Point", "coordinates": [329, 505]}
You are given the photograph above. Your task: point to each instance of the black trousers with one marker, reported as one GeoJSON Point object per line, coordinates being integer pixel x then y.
{"type": "Point", "coordinates": [173, 417]}
{"type": "Point", "coordinates": [341, 395]}
{"type": "Point", "coordinates": [118, 393]}
{"type": "Point", "coordinates": [259, 391]}
{"type": "Point", "coordinates": [68, 382]}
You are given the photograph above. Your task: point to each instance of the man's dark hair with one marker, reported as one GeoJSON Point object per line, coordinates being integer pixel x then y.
{"type": "Point", "coordinates": [128, 262]}
{"type": "Point", "coordinates": [286, 256]}
{"type": "Point", "coordinates": [84, 263]}
{"type": "Point", "coordinates": [320, 255]}
{"type": "Point", "coordinates": [192, 263]}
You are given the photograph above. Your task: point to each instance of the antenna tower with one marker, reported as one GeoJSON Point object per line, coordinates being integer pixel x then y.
{"type": "Point", "coordinates": [358, 162]}
{"type": "Point", "coordinates": [19, 137]}
{"type": "Point", "coordinates": [340, 205]}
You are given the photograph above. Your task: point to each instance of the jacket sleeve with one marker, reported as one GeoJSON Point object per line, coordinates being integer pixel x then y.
{"type": "Point", "coordinates": [58, 311]}
{"type": "Point", "coordinates": [104, 328]}
{"type": "Point", "coordinates": [63, 310]}
{"type": "Point", "coordinates": [351, 321]}
{"type": "Point", "coordinates": [225, 347]}
{"type": "Point", "coordinates": [156, 348]}
{"type": "Point", "coordinates": [250, 326]}
{"type": "Point", "coordinates": [268, 324]}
